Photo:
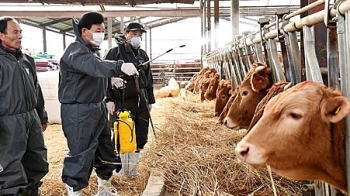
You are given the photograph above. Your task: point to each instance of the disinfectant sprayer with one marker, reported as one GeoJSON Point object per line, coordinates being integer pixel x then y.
{"type": "Point", "coordinates": [124, 129]}
{"type": "Point", "coordinates": [124, 132]}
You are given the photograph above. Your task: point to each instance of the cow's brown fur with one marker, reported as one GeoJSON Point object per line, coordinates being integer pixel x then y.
{"type": "Point", "coordinates": [223, 94]}
{"type": "Point", "coordinates": [203, 82]}
{"type": "Point", "coordinates": [224, 112]}
{"type": "Point", "coordinates": [273, 91]}
{"type": "Point", "coordinates": [194, 79]}
{"type": "Point", "coordinates": [210, 93]}
{"type": "Point", "coordinates": [301, 135]}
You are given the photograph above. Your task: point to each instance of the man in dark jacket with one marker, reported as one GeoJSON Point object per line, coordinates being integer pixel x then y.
{"type": "Point", "coordinates": [23, 155]}
{"type": "Point", "coordinates": [82, 88]}
{"type": "Point", "coordinates": [138, 94]}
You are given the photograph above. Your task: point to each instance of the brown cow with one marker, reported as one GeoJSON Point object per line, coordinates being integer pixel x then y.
{"type": "Point", "coordinates": [194, 79]}
{"type": "Point", "coordinates": [202, 83]}
{"type": "Point", "coordinates": [204, 78]}
{"type": "Point", "coordinates": [224, 112]}
{"type": "Point", "coordinates": [273, 91]}
{"type": "Point", "coordinates": [223, 94]}
{"type": "Point", "coordinates": [250, 92]}
{"type": "Point", "coordinates": [210, 93]}
{"type": "Point", "coordinates": [301, 135]}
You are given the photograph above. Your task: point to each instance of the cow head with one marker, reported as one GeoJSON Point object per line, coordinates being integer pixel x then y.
{"type": "Point", "coordinates": [224, 112]}
{"type": "Point", "coordinates": [210, 93]}
{"type": "Point", "coordinates": [301, 135]}
{"type": "Point", "coordinates": [191, 84]}
{"type": "Point", "coordinates": [273, 91]}
{"type": "Point", "coordinates": [204, 82]}
{"type": "Point", "coordinates": [223, 94]}
{"type": "Point", "coordinates": [250, 92]}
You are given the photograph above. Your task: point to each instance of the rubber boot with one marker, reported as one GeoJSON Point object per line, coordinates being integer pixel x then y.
{"type": "Point", "coordinates": [105, 188]}
{"type": "Point", "coordinates": [133, 160]}
{"type": "Point", "coordinates": [71, 192]}
{"type": "Point", "coordinates": [124, 171]}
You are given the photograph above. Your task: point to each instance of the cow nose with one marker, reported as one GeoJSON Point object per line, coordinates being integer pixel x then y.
{"type": "Point", "coordinates": [225, 122]}
{"type": "Point", "coordinates": [241, 151]}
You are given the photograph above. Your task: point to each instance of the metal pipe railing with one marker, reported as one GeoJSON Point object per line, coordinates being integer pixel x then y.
{"type": "Point", "coordinates": [304, 9]}
{"type": "Point", "coordinates": [343, 31]}
{"type": "Point", "coordinates": [310, 20]}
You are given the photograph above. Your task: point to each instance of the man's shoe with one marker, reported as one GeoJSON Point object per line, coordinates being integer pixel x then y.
{"type": "Point", "coordinates": [133, 160]}
{"type": "Point", "coordinates": [71, 192]}
{"type": "Point", "coordinates": [105, 188]}
{"type": "Point", "coordinates": [124, 171]}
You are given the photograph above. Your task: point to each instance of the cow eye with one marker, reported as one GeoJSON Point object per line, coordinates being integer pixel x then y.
{"type": "Point", "coordinates": [244, 93]}
{"type": "Point", "coordinates": [295, 115]}
{"type": "Point", "coordinates": [223, 97]}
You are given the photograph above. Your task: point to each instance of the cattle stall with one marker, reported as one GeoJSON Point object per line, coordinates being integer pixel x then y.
{"type": "Point", "coordinates": [288, 47]}
{"type": "Point", "coordinates": [180, 71]}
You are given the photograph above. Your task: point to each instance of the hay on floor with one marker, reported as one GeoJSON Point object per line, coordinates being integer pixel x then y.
{"type": "Point", "coordinates": [196, 156]}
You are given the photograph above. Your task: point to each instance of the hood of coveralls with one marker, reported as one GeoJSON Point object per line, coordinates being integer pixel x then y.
{"type": "Point", "coordinates": [78, 37]}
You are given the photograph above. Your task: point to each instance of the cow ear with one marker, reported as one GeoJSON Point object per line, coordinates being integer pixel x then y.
{"type": "Point", "coordinates": [336, 108]}
{"type": "Point", "coordinates": [260, 79]}
{"type": "Point", "coordinates": [230, 90]}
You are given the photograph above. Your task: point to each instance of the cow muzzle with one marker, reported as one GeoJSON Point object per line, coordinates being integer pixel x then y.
{"type": "Point", "coordinates": [230, 124]}
{"type": "Point", "coordinates": [250, 154]}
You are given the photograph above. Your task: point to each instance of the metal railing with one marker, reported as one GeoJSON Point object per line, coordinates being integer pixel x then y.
{"type": "Point", "coordinates": [282, 36]}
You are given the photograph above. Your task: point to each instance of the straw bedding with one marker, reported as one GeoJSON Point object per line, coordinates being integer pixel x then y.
{"type": "Point", "coordinates": [193, 154]}
{"type": "Point", "coordinates": [196, 156]}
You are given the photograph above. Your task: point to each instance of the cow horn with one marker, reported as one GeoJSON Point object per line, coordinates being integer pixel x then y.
{"type": "Point", "coordinates": [259, 68]}
{"type": "Point", "coordinates": [287, 86]}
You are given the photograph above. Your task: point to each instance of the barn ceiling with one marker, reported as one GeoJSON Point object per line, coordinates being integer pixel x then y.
{"type": "Point", "coordinates": [54, 15]}
{"type": "Point", "coordinates": [64, 25]}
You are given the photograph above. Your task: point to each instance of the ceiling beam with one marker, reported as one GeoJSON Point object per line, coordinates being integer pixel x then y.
{"type": "Point", "coordinates": [55, 21]}
{"type": "Point", "coordinates": [115, 25]}
{"type": "Point", "coordinates": [40, 27]}
{"type": "Point", "coordinates": [163, 21]}
{"type": "Point", "coordinates": [180, 12]}
{"type": "Point", "coordinates": [102, 7]}
{"type": "Point", "coordinates": [120, 13]}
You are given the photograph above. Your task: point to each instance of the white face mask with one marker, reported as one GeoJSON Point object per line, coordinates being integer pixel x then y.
{"type": "Point", "coordinates": [97, 38]}
{"type": "Point", "coordinates": [135, 42]}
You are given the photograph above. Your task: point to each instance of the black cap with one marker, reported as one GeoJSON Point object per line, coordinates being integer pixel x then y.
{"type": "Point", "coordinates": [134, 26]}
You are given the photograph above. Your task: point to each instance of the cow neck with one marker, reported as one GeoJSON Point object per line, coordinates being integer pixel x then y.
{"type": "Point", "coordinates": [337, 165]}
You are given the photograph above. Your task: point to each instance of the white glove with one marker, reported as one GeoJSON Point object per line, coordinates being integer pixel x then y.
{"type": "Point", "coordinates": [117, 82]}
{"type": "Point", "coordinates": [149, 108]}
{"type": "Point", "coordinates": [129, 69]}
{"type": "Point", "coordinates": [110, 107]}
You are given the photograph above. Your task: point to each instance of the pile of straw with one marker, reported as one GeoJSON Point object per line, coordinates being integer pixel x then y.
{"type": "Point", "coordinates": [196, 156]}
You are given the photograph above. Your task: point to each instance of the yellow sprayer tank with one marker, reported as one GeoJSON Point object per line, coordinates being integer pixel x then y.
{"type": "Point", "coordinates": [124, 133]}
